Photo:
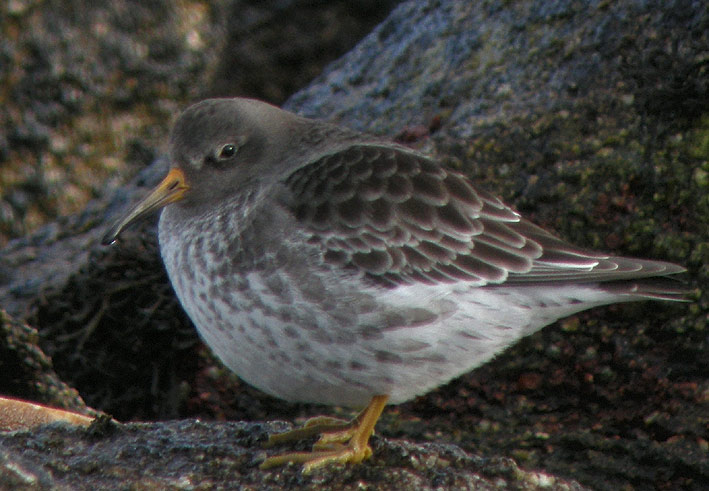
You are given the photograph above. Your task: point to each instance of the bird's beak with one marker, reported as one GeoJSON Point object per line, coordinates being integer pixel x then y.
{"type": "Point", "coordinates": [171, 189]}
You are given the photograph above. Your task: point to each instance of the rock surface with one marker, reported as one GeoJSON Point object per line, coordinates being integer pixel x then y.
{"type": "Point", "coordinates": [589, 117]}
{"type": "Point", "coordinates": [196, 455]}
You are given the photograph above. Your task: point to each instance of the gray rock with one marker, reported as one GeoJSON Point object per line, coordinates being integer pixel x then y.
{"type": "Point", "coordinates": [196, 455]}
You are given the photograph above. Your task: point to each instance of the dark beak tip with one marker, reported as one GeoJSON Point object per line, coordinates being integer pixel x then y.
{"type": "Point", "coordinates": [107, 240]}
{"type": "Point", "coordinates": [110, 236]}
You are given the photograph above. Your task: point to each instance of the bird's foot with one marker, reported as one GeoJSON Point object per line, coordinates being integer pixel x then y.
{"type": "Point", "coordinates": [320, 425]}
{"type": "Point", "coordinates": [339, 442]}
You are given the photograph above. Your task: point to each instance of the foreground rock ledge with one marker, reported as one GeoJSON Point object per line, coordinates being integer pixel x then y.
{"type": "Point", "coordinates": [192, 454]}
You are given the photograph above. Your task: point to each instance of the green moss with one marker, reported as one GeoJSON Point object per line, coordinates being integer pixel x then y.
{"type": "Point", "coordinates": [699, 140]}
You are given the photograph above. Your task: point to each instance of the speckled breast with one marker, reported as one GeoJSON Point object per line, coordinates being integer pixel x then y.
{"type": "Point", "coordinates": [265, 310]}
{"type": "Point", "coordinates": [294, 327]}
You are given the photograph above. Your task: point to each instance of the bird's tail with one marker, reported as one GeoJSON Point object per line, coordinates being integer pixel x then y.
{"type": "Point", "coordinates": [655, 288]}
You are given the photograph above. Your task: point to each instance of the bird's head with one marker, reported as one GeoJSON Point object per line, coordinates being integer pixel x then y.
{"type": "Point", "coordinates": [218, 148]}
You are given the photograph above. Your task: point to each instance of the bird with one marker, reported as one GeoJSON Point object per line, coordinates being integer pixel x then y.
{"type": "Point", "coordinates": [326, 265]}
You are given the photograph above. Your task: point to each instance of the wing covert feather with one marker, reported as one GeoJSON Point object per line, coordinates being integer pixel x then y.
{"type": "Point", "coordinates": [400, 218]}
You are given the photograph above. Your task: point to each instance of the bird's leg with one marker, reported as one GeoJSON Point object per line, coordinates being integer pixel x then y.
{"type": "Point", "coordinates": [344, 442]}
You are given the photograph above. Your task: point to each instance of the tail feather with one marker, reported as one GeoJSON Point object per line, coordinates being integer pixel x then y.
{"type": "Point", "coordinates": [610, 269]}
{"type": "Point", "coordinates": [657, 288]}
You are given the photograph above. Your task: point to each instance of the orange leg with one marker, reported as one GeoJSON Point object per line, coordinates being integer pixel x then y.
{"type": "Point", "coordinates": [344, 442]}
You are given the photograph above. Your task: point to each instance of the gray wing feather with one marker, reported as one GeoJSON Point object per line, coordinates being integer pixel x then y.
{"type": "Point", "coordinates": [400, 218]}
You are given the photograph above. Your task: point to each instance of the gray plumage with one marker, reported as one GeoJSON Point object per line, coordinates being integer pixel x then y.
{"type": "Point", "coordinates": [324, 265]}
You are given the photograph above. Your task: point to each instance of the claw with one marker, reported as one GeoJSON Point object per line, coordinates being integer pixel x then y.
{"type": "Point", "coordinates": [339, 442]}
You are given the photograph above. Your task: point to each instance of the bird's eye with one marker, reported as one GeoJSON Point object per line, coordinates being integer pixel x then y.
{"type": "Point", "coordinates": [227, 151]}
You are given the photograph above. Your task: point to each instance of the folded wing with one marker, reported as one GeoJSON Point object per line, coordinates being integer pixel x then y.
{"type": "Point", "coordinates": [400, 218]}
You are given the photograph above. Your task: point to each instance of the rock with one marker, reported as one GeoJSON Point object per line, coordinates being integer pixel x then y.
{"type": "Point", "coordinates": [18, 415]}
{"type": "Point", "coordinates": [27, 371]}
{"type": "Point", "coordinates": [193, 454]}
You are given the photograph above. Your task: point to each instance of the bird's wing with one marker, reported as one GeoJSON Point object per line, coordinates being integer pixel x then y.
{"type": "Point", "coordinates": [399, 217]}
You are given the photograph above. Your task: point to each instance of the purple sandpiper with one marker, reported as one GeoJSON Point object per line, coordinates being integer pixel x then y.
{"type": "Point", "coordinates": [325, 265]}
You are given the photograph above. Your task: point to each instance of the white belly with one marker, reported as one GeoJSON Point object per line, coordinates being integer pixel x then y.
{"type": "Point", "coordinates": [353, 341]}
